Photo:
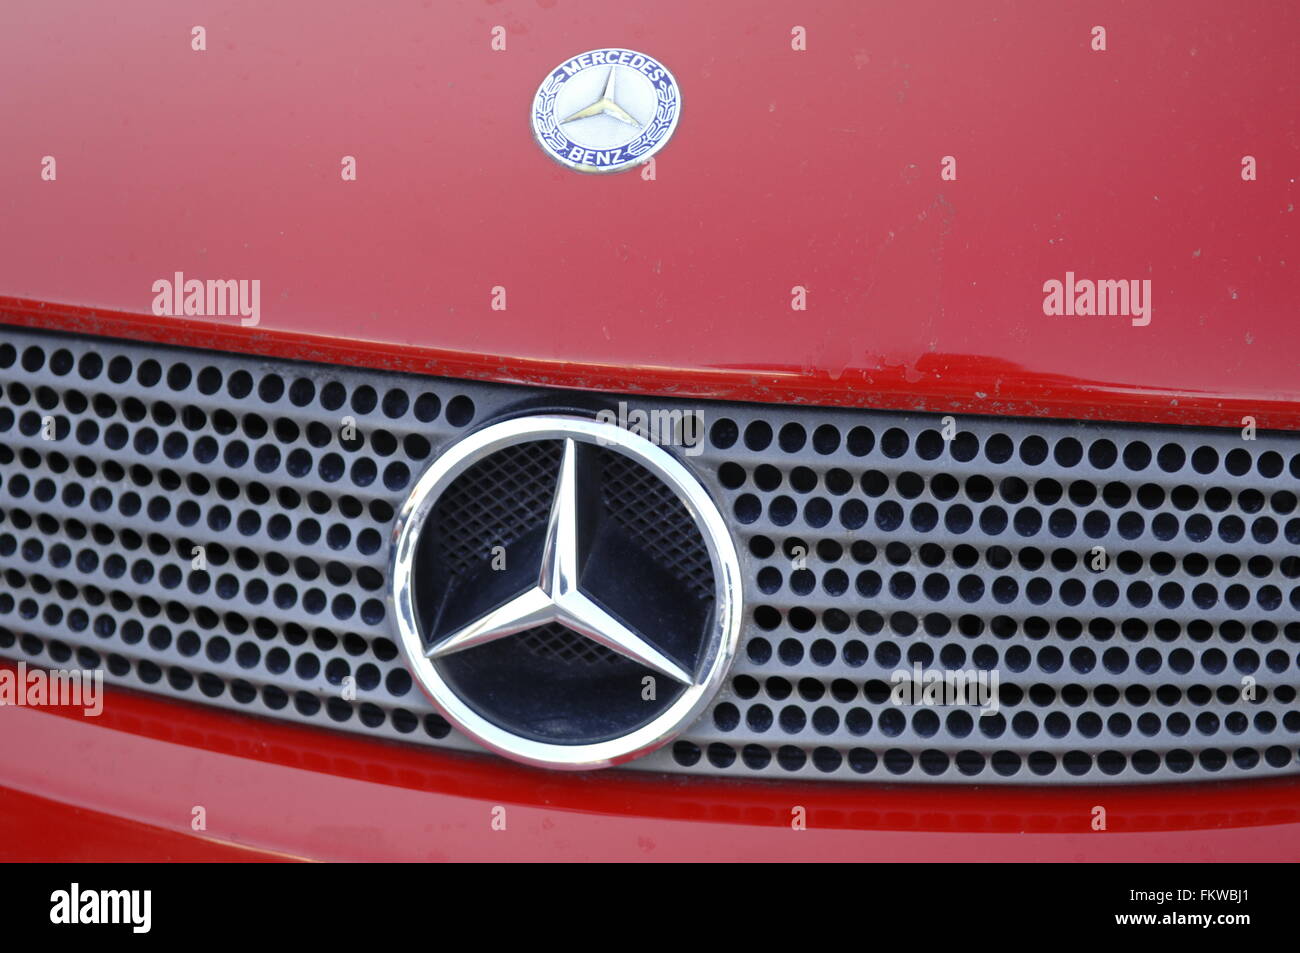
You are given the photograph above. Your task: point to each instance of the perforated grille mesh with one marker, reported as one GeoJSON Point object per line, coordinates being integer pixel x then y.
{"type": "Point", "coordinates": [877, 545]}
{"type": "Point", "coordinates": [869, 543]}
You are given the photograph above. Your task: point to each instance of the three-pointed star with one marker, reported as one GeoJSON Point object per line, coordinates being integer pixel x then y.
{"type": "Point", "coordinates": [556, 596]}
{"type": "Point", "coordinates": [605, 106]}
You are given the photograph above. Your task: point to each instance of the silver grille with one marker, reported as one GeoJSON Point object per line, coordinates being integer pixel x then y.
{"type": "Point", "coordinates": [870, 543]}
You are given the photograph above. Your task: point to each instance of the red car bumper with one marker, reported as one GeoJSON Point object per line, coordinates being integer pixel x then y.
{"type": "Point", "coordinates": [126, 784]}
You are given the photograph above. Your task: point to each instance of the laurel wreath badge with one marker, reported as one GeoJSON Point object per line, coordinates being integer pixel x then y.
{"type": "Point", "coordinates": [548, 129]}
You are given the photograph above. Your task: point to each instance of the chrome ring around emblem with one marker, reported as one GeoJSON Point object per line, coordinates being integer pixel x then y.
{"type": "Point", "coordinates": [559, 598]}
{"type": "Point", "coordinates": [606, 110]}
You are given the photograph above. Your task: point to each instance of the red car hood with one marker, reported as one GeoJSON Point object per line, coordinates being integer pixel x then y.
{"type": "Point", "coordinates": [817, 168]}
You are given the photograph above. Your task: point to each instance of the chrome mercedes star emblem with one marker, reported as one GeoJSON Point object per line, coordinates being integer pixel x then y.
{"type": "Point", "coordinates": [566, 591]}
{"type": "Point", "coordinates": [556, 596]}
{"type": "Point", "coordinates": [606, 110]}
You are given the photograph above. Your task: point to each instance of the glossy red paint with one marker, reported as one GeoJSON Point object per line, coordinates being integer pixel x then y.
{"type": "Point", "coordinates": [37, 829]}
{"type": "Point", "coordinates": [818, 168]}
{"type": "Point", "coordinates": [279, 791]}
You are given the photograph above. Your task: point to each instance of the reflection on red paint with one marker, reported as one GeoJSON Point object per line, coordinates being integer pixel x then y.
{"type": "Point", "coordinates": [144, 739]}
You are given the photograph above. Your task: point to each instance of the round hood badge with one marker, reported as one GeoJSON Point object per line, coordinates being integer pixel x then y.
{"type": "Point", "coordinates": [567, 593]}
{"type": "Point", "coordinates": [606, 110]}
